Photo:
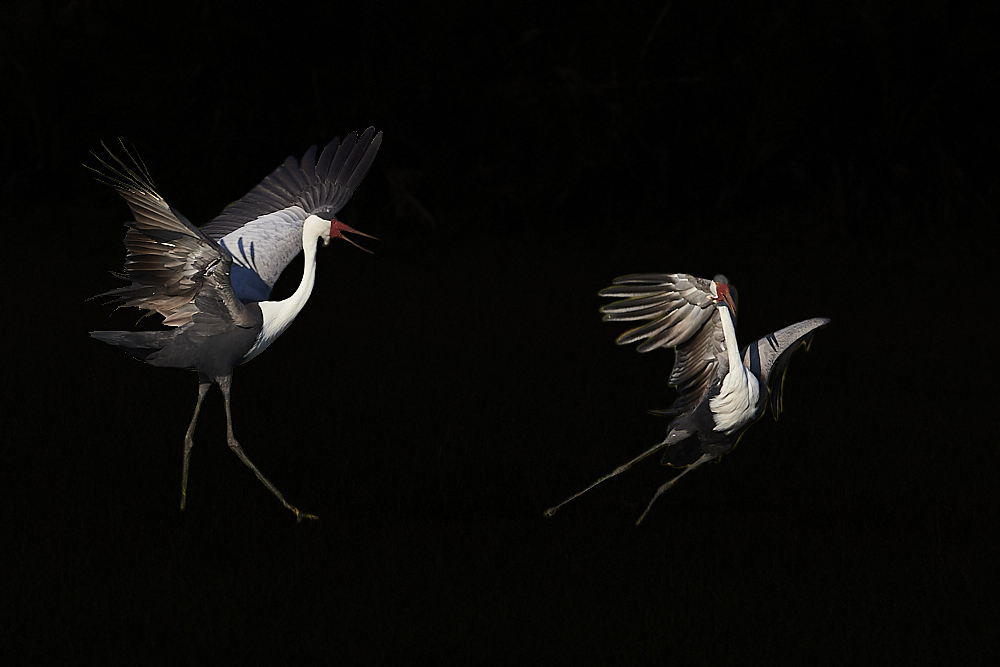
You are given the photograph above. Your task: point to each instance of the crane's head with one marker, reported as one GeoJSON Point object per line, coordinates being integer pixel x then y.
{"type": "Point", "coordinates": [725, 293]}
{"type": "Point", "coordinates": [337, 229]}
{"type": "Point", "coordinates": [332, 229]}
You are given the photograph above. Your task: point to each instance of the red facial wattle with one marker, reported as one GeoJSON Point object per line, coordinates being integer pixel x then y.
{"type": "Point", "coordinates": [724, 295]}
{"type": "Point", "coordinates": [337, 228]}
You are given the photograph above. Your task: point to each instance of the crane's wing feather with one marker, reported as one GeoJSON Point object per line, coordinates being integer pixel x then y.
{"type": "Point", "coordinates": [768, 357]}
{"type": "Point", "coordinates": [682, 313]}
{"type": "Point", "coordinates": [263, 230]}
{"type": "Point", "coordinates": [175, 269]}
{"type": "Point", "coordinates": [699, 362]}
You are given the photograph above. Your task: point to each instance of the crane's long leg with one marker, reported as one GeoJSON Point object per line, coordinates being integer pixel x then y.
{"type": "Point", "coordinates": [224, 384]}
{"type": "Point", "coordinates": [672, 437]}
{"type": "Point", "coordinates": [203, 388]}
{"type": "Point", "coordinates": [666, 487]}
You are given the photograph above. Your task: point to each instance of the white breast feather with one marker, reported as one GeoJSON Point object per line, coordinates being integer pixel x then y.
{"type": "Point", "coordinates": [733, 408]}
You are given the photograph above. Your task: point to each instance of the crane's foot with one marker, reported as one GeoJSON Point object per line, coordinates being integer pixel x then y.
{"type": "Point", "coordinates": [299, 515]}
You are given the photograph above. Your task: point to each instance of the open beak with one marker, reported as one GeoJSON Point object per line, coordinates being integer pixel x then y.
{"type": "Point", "coordinates": [337, 229]}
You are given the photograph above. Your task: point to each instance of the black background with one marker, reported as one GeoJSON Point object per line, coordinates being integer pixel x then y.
{"type": "Point", "coordinates": [833, 159]}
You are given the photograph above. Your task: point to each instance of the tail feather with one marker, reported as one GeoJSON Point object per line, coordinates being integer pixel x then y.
{"type": "Point", "coordinates": [140, 344]}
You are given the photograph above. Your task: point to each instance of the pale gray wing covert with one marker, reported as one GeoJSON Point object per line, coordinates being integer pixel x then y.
{"type": "Point", "coordinates": [768, 357]}
{"type": "Point", "coordinates": [263, 230]}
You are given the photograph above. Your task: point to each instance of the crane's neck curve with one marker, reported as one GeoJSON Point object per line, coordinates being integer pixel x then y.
{"type": "Point", "coordinates": [279, 315]}
{"type": "Point", "coordinates": [729, 332]}
{"type": "Point", "coordinates": [734, 407]}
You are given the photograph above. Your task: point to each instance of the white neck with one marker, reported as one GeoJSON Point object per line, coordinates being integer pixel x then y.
{"type": "Point", "coordinates": [736, 403]}
{"type": "Point", "coordinates": [279, 315]}
{"type": "Point", "coordinates": [729, 332]}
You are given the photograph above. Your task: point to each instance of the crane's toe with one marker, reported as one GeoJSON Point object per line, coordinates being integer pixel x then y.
{"type": "Point", "coordinates": [299, 515]}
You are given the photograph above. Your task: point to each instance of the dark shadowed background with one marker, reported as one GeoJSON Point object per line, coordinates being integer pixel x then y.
{"type": "Point", "coordinates": [833, 159]}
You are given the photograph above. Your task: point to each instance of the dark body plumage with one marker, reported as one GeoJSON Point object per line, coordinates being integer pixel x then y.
{"type": "Point", "coordinates": [188, 348]}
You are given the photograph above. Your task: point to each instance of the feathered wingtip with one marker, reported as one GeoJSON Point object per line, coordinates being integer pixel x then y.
{"type": "Point", "coordinates": [677, 305]}
{"type": "Point", "coordinates": [133, 182]}
{"type": "Point", "coordinates": [349, 161]}
{"type": "Point", "coordinates": [119, 276]}
{"type": "Point", "coordinates": [130, 180]}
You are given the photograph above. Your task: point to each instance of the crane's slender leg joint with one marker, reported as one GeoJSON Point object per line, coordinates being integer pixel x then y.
{"type": "Point", "coordinates": [224, 384]}
{"type": "Point", "coordinates": [672, 437]}
{"type": "Point", "coordinates": [203, 388]}
{"type": "Point", "coordinates": [666, 487]}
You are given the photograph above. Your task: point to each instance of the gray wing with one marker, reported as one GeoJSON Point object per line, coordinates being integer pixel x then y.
{"type": "Point", "coordinates": [263, 230]}
{"type": "Point", "coordinates": [175, 269]}
{"type": "Point", "coordinates": [768, 357]}
{"type": "Point", "coordinates": [683, 314]}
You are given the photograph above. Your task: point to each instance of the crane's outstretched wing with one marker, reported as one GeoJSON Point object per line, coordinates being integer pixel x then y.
{"type": "Point", "coordinates": [175, 270]}
{"type": "Point", "coordinates": [768, 357]}
{"type": "Point", "coordinates": [684, 315]}
{"type": "Point", "coordinates": [263, 230]}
